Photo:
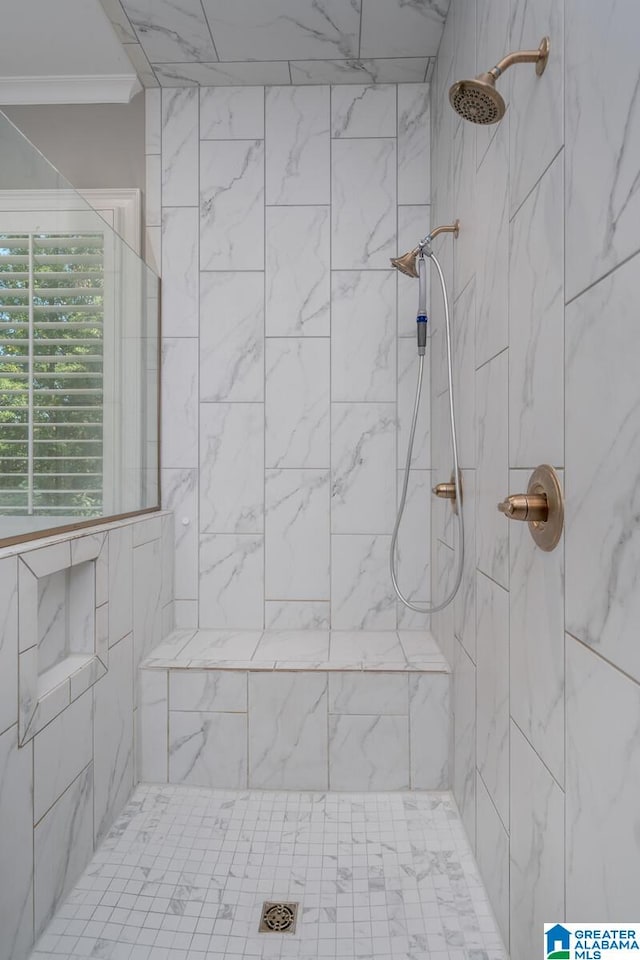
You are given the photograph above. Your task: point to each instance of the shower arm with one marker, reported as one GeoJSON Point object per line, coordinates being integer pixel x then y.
{"type": "Point", "coordinates": [539, 57]}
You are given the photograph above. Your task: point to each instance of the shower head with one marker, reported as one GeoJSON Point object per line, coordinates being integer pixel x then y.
{"type": "Point", "coordinates": [407, 262]}
{"type": "Point", "coordinates": [478, 100]}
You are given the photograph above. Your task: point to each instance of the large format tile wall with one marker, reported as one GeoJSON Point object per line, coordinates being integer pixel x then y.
{"type": "Point", "coordinates": [546, 692]}
{"type": "Point", "coordinates": [62, 788]}
{"type": "Point", "coordinates": [289, 357]}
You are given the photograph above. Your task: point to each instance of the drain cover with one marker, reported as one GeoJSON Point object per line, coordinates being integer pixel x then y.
{"type": "Point", "coordinates": [278, 917]}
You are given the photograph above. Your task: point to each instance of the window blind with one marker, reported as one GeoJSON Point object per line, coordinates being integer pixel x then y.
{"type": "Point", "coordinates": [51, 374]}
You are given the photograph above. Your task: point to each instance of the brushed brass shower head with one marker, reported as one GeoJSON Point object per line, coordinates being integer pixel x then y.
{"type": "Point", "coordinates": [478, 100]}
{"type": "Point", "coordinates": [407, 262]}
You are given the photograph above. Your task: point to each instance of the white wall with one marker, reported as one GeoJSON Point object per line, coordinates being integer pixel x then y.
{"type": "Point", "coordinates": [289, 350]}
{"type": "Point", "coordinates": [546, 695]}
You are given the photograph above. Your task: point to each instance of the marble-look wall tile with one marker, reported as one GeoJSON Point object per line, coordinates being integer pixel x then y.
{"type": "Point", "coordinates": [413, 550]}
{"type": "Point", "coordinates": [492, 39]}
{"type": "Point", "coordinates": [153, 196]}
{"type": "Point", "coordinates": [492, 271]}
{"type": "Point", "coordinates": [231, 113]}
{"type": "Point", "coordinates": [180, 495]}
{"type": "Point", "coordinates": [368, 753]}
{"type": "Point", "coordinates": [602, 199]}
{"type": "Point", "coordinates": [298, 286]}
{"type": "Point", "coordinates": [297, 402]}
{"type": "Point", "coordinates": [464, 363]}
{"type": "Point", "coordinates": [16, 846]}
{"type": "Point", "coordinates": [152, 117]}
{"type": "Point", "coordinates": [414, 144]}
{"type": "Point", "coordinates": [536, 604]}
{"type": "Point", "coordinates": [179, 272]}
{"type": "Point", "coordinates": [232, 205]}
{"type": "Point", "coordinates": [363, 471]}
{"type": "Point", "coordinates": [362, 597]}
{"type": "Point", "coordinates": [186, 614]}
{"type": "Point", "coordinates": [180, 147]}
{"type": "Point", "coordinates": [288, 731]}
{"type": "Point", "coordinates": [603, 781]}
{"type": "Point", "coordinates": [179, 429]}
{"type": "Point", "coordinates": [492, 634]}
{"type": "Point", "coordinates": [231, 468]}
{"type": "Point", "coordinates": [602, 338]}
{"type": "Point", "coordinates": [120, 583]}
{"type": "Point", "coordinates": [212, 691]}
{"type": "Point", "coordinates": [151, 726]}
{"type": "Point", "coordinates": [492, 854]}
{"type": "Point", "coordinates": [363, 111]}
{"type": "Point", "coordinates": [189, 39]}
{"type": "Point", "coordinates": [297, 534]}
{"type": "Point", "coordinates": [536, 847]}
{"type": "Point", "coordinates": [536, 328]}
{"type": "Point", "coordinates": [357, 693]}
{"type": "Point", "coordinates": [464, 605]}
{"type": "Point", "coordinates": [465, 204]}
{"type": "Point", "coordinates": [407, 379]}
{"type": "Point", "coordinates": [113, 773]}
{"type": "Point", "coordinates": [363, 335]}
{"type": "Point", "coordinates": [62, 845]}
{"type": "Point", "coordinates": [464, 738]}
{"type": "Point", "coordinates": [297, 615]}
{"type": "Point", "coordinates": [147, 606]}
{"type": "Point", "coordinates": [430, 720]}
{"type": "Point", "coordinates": [208, 749]}
{"type": "Point", "coordinates": [363, 211]}
{"type": "Point", "coordinates": [8, 642]}
{"type": "Point", "coordinates": [231, 581]}
{"type": "Point", "coordinates": [413, 225]}
{"type": "Point", "coordinates": [492, 473]}
{"type": "Point", "coordinates": [298, 146]}
{"type": "Point", "coordinates": [61, 752]}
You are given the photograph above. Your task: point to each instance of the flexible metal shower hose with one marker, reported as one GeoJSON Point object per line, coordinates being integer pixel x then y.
{"type": "Point", "coordinates": [432, 608]}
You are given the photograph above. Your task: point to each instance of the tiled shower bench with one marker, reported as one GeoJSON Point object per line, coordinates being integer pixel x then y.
{"type": "Point", "coordinates": [297, 710]}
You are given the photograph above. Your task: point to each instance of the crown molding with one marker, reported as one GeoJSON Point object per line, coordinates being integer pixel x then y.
{"type": "Point", "coordinates": [112, 88]}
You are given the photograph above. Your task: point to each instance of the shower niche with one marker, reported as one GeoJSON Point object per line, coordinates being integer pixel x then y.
{"type": "Point", "coordinates": [63, 627]}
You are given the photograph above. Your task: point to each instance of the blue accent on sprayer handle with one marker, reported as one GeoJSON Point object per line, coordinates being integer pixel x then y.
{"type": "Point", "coordinates": [421, 321]}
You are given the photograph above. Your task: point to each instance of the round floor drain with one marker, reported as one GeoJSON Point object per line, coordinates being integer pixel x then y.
{"type": "Point", "coordinates": [278, 917]}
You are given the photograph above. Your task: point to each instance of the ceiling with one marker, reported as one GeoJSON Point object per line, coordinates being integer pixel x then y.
{"type": "Point", "coordinates": [227, 42]}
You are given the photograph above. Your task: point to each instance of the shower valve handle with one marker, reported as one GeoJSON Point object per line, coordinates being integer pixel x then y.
{"type": "Point", "coordinates": [525, 506]}
{"type": "Point", "coordinates": [542, 507]}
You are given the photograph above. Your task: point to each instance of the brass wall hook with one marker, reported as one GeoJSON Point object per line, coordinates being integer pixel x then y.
{"type": "Point", "coordinates": [542, 507]}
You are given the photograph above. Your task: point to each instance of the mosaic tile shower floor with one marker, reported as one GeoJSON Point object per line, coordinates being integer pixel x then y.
{"type": "Point", "coordinates": [184, 872]}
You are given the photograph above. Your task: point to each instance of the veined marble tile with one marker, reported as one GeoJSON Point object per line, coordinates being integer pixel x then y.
{"type": "Point", "coordinates": [362, 597]}
{"type": "Point", "coordinates": [151, 726]}
{"type": "Point", "coordinates": [536, 329]}
{"type": "Point", "coordinates": [430, 721]}
{"type": "Point", "coordinates": [16, 846]}
{"type": "Point", "coordinates": [492, 229]}
{"type": "Point", "coordinates": [180, 272]}
{"type": "Point", "coordinates": [363, 471]}
{"type": "Point", "coordinates": [493, 691]}
{"type": "Point", "coordinates": [298, 290]}
{"type": "Point", "coordinates": [231, 467]}
{"type": "Point", "coordinates": [119, 21]}
{"type": "Point", "coordinates": [602, 536]}
{"type": "Point", "coordinates": [414, 144]}
{"type": "Point", "coordinates": [368, 753]}
{"type": "Point", "coordinates": [380, 645]}
{"type": "Point", "coordinates": [231, 581]}
{"type": "Point", "coordinates": [536, 120]}
{"type": "Point", "coordinates": [603, 780]}
{"type": "Point", "coordinates": [120, 582]}
{"type": "Point", "coordinates": [297, 145]}
{"type": "Point", "coordinates": [328, 28]}
{"type": "Point", "coordinates": [297, 402]}
{"type": "Point", "coordinates": [363, 335]}
{"type": "Point", "coordinates": [492, 473]}
{"type": "Point", "coordinates": [294, 645]}
{"type": "Point", "coordinates": [413, 225]}
{"type": "Point", "coordinates": [443, 561]}
{"type": "Point", "coordinates": [297, 615]}
{"type": "Point", "coordinates": [353, 693]}
{"type": "Point", "coordinates": [492, 854]}
{"type": "Point", "coordinates": [27, 692]}
{"type": "Point", "coordinates": [297, 534]}
{"type": "Point", "coordinates": [44, 561]}
{"type": "Point", "coordinates": [8, 642]}
{"type": "Point", "coordinates": [464, 738]}
{"type": "Point", "coordinates": [171, 29]}
{"type": "Point", "coordinates": [398, 29]}
{"type": "Point", "coordinates": [231, 113]}
{"type": "Point", "coordinates": [536, 599]}
{"type": "Point", "coordinates": [363, 111]}
{"type": "Point", "coordinates": [363, 211]}
{"type": "Point", "coordinates": [186, 613]}
{"type": "Point", "coordinates": [141, 65]}
{"type": "Point", "coordinates": [465, 201]}
{"type": "Point", "coordinates": [464, 363]}
{"type": "Point", "coordinates": [61, 752]}
{"type": "Point", "coordinates": [167, 550]}
{"type": "Point", "coordinates": [288, 731]}
{"type": "Point", "coordinates": [536, 847]}
{"type": "Point", "coordinates": [464, 605]}
{"type": "Point", "coordinates": [413, 550]}
{"type": "Point", "coordinates": [218, 691]}
{"type": "Point", "coordinates": [63, 846]}
{"type": "Point", "coordinates": [180, 495]}
{"type": "Point", "coordinates": [152, 115]}
{"type": "Point", "coordinates": [153, 184]}
{"type": "Point", "coordinates": [215, 645]}
{"type": "Point", "coordinates": [208, 749]}
{"type": "Point", "coordinates": [179, 148]}
{"type": "Point", "coordinates": [421, 645]}
{"type": "Point", "coordinates": [492, 39]}
{"type": "Point", "coordinates": [113, 773]}
{"type": "Point", "coordinates": [179, 402]}
{"type": "Point", "coordinates": [147, 606]}
{"type": "Point", "coordinates": [232, 205]}
{"type": "Point", "coordinates": [222, 74]}
{"type": "Point", "coordinates": [369, 71]}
